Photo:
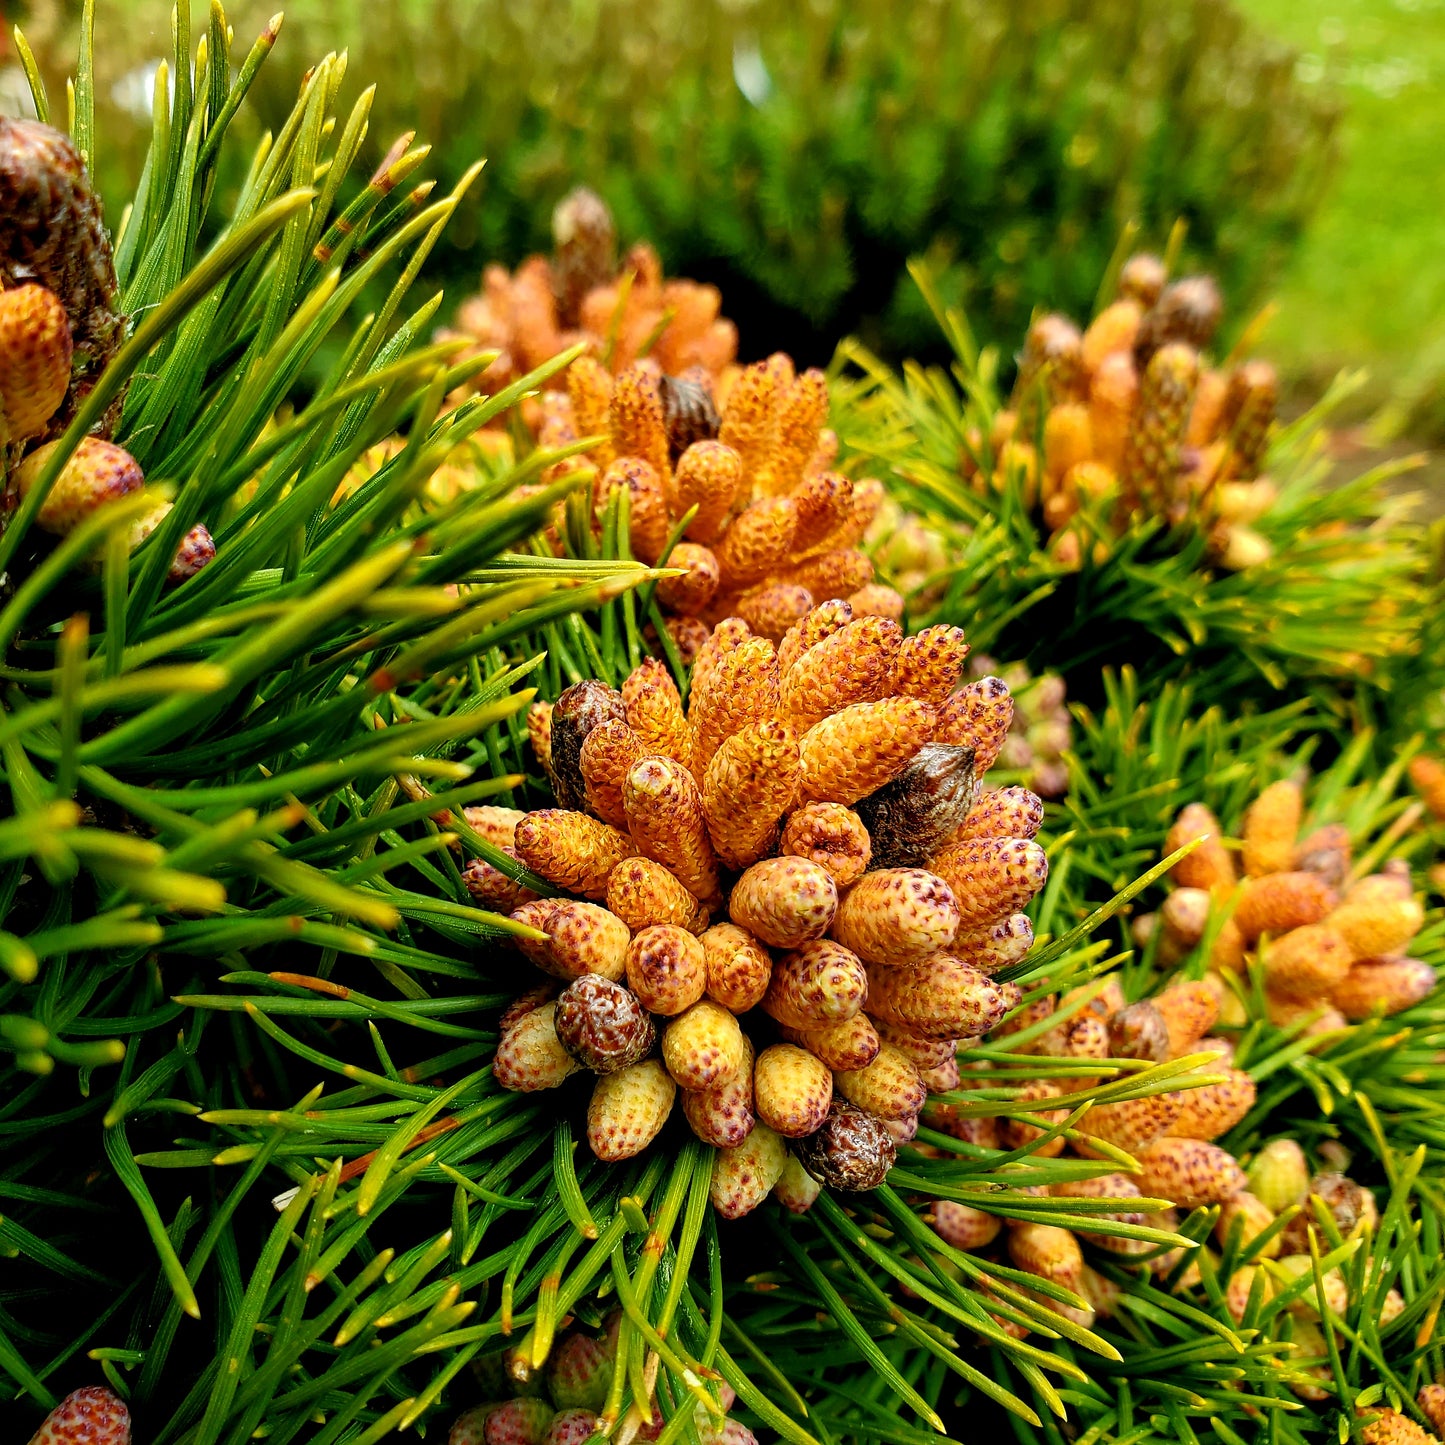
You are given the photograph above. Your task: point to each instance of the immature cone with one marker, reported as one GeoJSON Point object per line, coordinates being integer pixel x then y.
{"type": "Point", "coordinates": [1279, 1175]}
{"type": "Point", "coordinates": [997, 945]}
{"type": "Point", "coordinates": [638, 426]}
{"type": "Point", "coordinates": [832, 836]}
{"type": "Point", "coordinates": [1210, 865]}
{"type": "Point", "coordinates": [724, 1116]}
{"type": "Point", "coordinates": [1190, 1172]}
{"type": "Point", "coordinates": [991, 878]}
{"type": "Point", "coordinates": [890, 1087]}
{"type": "Point", "coordinates": [583, 938]}
{"type": "Point", "coordinates": [738, 967]}
{"type": "Point", "coordinates": [1189, 1011]}
{"type": "Point", "coordinates": [1271, 825]}
{"type": "Point", "coordinates": [522, 1421]}
{"type": "Point", "coordinates": [912, 817]}
{"type": "Point", "coordinates": [97, 473]}
{"type": "Point", "coordinates": [1431, 1401]}
{"type": "Point", "coordinates": [1139, 1031]}
{"type": "Point", "coordinates": [1019, 1133]}
{"type": "Point", "coordinates": [1390, 1427]}
{"type": "Point", "coordinates": [771, 608]}
{"type": "Point", "coordinates": [784, 901]}
{"type": "Point", "coordinates": [93, 1415]}
{"type": "Point", "coordinates": [571, 1427]}
{"type": "Point", "coordinates": [603, 1025]}
{"type": "Point", "coordinates": [52, 232]}
{"type": "Point", "coordinates": [665, 813]}
{"type": "Point", "coordinates": [963, 1226]}
{"type": "Point", "coordinates": [35, 352]}
{"type": "Point", "coordinates": [1214, 1109]}
{"type": "Point", "coordinates": [1133, 1124]}
{"type": "Point", "coordinates": [582, 707]}
{"type": "Point", "coordinates": [792, 1090]}
{"type": "Point", "coordinates": [740, 686]}
{"type": "Point", "coordinates": [1306, 963]}
{"type": "Point", "coordinates": [691, 593]}
{"type": "Point", "coordinates": [796, 1190]}
{"type": "Point", "coordinates": [750, 781]}
{"type": "Point", "coordinates": [608, 754]}
{"type": "Point", "coordinates": [978, 716]}
{"type": "Point", "coordinates": [1249, 410]}
{"type": "Point", "coordinates": [708, 477]}
{"type": "Point", "coordinates": [1047, 1251]}
{"type": "Point", "coordinates": [628, 1109]}
{"type": "Point", "coordinates": [666, 969]}
{"type": "Point", "coordinates": [856, 751]}
{"type": "Point", "coordinates": [572, 850]}
{"type": "Point", "coordinates": [530, 1056]}
{"type": "Point", "coordinates": [1374, 924]}
{"type": "Point", "coordinates": [1384, 986]}
{"type": "Point", "coordinates": [852, 1044]}
{"type": "Point", "coordinates": [941, 998]}
{"type": "Point", "coordinates": [822, 622]}
{"type": "Point", "coordinates": [703, 1047]}
{"type": "Point", "coordinates": [654, 711]}
{"type": "Point", "coordinates": [1279, 902]}
{"type": "Point", "coordinates": [819, 984]}
{"type": "Point", "coordinates": [1150, 469]}
{"type": "Point", "coordinates": [642, 893]}
{"type": "Point", "coordinates": [743, 1175]}
{"type": "Point", "coordinates": [896, 916]}
{"type": "Point", "coordinates": [851, 1151]}
{"type": "Point", "coordinates": [855, 664]}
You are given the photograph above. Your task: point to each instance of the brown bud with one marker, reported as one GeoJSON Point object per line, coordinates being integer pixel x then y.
{"type": "Point", "coordinates": [910, 818]}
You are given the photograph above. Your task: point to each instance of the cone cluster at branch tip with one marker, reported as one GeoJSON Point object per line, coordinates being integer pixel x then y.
{"type": "Point", "coordinates": [1332, 947]}
{"type": "Point", "coordinates": [581, 295]}
{"type": "Point", "coordinates": [737, 468]}
{"type": "Point", "coordinates": [1129, 417]}
{"type": "Point", "coordinates": [1172, 1137]}
{"type": "Point", "coordinates": [800, 957]}
{"type": "Point", "coordinates": [58, 328]}
{"type": "Point", "coordinates": [566, 1404]}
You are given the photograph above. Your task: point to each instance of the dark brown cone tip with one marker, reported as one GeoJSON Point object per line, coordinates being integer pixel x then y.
{"type": "Point", "coordinates": [909, 819]}
{"type": "Point", "coordinates": [688, 412]}
{"type": "Point", "coordinates": [582, 707]}
{"type": "Point", "coordinates": [52, 232]}
{"type": "Point", "coordinates": [1138, 1031]}
{"type": "Point", "coordinates": [602, 1024]}
{"type": "Point", "coordinates": [852, 1151]}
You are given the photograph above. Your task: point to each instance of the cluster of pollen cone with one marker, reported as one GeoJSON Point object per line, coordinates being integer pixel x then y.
{"type": "Point", "coordinates": [580, 295]}
{"type": "Point", "coordinates": [567, 1404]}
{"type": "Point", "coordinates": [1264, 1206]}
{"type": "Point", "coordinates": [788, 899]}
{"type": "Point", "coordinates": [1329, 947]}
{"type": "Point", "coordinates": [739, 467]}
{"type": "Point", "coordinates": [58, 329]}
{"type": "Point", "coordinates": [1129, 417]}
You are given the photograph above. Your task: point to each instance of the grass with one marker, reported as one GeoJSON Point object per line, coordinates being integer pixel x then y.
{"type": "Point", "coordinates": [1367, 285]}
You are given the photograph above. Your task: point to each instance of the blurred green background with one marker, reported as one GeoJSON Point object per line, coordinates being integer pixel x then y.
{"type": "Point", "coordinates": [798, 155]}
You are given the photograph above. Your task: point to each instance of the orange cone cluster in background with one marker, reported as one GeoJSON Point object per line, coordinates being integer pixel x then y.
{"type": "Point", "coordinates": [580, 295]}
{"type": "Point", "coordinates": [1129, 417]}
{"type": "Point", "coordinates": [1331, 947]}
{"type": "Point", "coordinates": [789, 898]}
{"type": "Point", "coordinates": [741, 469]}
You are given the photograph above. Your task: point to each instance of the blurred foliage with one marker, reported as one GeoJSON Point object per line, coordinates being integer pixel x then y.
{"type": "Point", "coordinates": [799, 162]}
{"type": "Point", "coordinates": [1379, 226]}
